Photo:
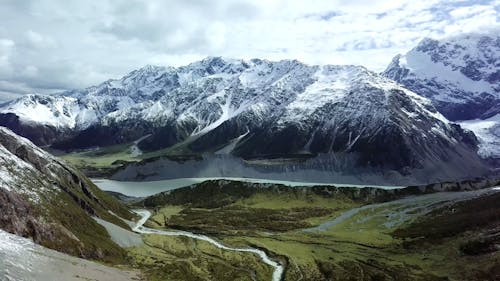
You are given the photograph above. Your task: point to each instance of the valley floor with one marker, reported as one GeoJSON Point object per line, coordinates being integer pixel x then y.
{"type": "Point", "coordinates": [439, 236]}
{"type": "Point", "coordinates": [312, 233]}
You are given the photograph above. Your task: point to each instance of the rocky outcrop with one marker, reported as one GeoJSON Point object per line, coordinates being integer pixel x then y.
{"type": "Point", "coordinates": [323, 168]}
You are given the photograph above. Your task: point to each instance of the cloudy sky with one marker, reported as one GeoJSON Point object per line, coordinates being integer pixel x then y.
{"type": "Point", "coordinates": [49, 45]}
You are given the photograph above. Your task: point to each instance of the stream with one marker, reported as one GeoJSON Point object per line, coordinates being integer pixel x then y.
{"type": "Point", "coordinates": [145, 214]}
{"type": "Point", "coordinates": [399, 211]}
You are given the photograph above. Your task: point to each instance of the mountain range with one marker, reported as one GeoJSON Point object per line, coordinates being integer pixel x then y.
{"type": "Point", "coordinates": [260, 119]}
{"type": "Point", "coordinates": [343, 119]}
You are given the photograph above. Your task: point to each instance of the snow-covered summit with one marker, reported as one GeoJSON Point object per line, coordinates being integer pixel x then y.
{"type": "Point", "coordinates": [199, 97]}
{"type": "Point", "coordinates": [155, 93]}
{"type": "Point", "coordinates": [57, 111]}
{"type": "Point", "coordinates": [461, 74]}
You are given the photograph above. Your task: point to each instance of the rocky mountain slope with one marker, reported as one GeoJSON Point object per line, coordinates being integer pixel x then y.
{"type": "Point", "coordinates": [47, 200]}
{"type": "Point", "coordinates": [461, 75]}
{"type": "Point", "coordinates": [255, 110]}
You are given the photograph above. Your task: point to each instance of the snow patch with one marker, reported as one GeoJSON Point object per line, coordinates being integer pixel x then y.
{"type": "Point", "coordinates": [331, 85]}
{"type": "Point", "coordinates": [228, 112]}
{"type": "Point", "coordinates": [488, 133]}
{"type": "Point", "coordinates": [57, 111]}
{"type": "Point", "coordinates": [422, 66]}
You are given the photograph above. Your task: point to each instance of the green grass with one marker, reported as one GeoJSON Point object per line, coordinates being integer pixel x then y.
{"type": "Point", "coordinates": [78, 234]}
{"type": "Point", "coordinates": [182, 258]}
{"type": "Point", "coordinates": [289, 200]}
{"type": "Point", "coordinates": [242, 219]}
{"type": "Point", "coordinates": [102, 157]}
{"type": "Point", "coordinates": [163, 214]}
{"type": "Point", "coordinates": [242, 207]}
{"type": "Point", "coordinates": [92, 240]}
{"type": "Point", "coordinates": [450, 221]}
{"type": "Point", "coordinates": [63, 211]}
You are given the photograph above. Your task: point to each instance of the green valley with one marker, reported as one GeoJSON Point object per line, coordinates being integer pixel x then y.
{"type": "Point", "coordinates": [384, 238]}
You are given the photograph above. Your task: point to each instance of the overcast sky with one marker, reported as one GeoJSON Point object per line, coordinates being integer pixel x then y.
{"type": "Point", "coordinates": [48, 45]}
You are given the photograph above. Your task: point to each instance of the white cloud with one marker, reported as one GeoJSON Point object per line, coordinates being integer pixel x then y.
{"type": "Point", "coordinates": [6, 49]}
{"type": "Point", "coordinates": [49, 45]}
{"type": "Point", "coordinates": [20, 88]}
{"type": "Point", "coordinates": [30, 71]}
{"type": "Point", "coordinates": [37, 40]}
{"type": "Point", "coordinates": [467, 11]}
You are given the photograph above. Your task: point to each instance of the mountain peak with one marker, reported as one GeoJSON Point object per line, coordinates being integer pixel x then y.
{"type": "Point", "coordinates": [215, 60]}
{"type": "Point", "coordinates": [151, 68]}
{"type": "Point", "coordinates": [147, 70]}
{"type": "Point", "coordinates": [460, 74]}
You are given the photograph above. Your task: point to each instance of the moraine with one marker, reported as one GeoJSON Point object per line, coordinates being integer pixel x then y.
{"type": "Point", "coordinates": [148, 188]}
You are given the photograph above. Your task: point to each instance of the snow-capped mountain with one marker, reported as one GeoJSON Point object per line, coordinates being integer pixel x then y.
{"type": "Point", "coordinates": [461, 75]}
{"type": "Point", "coordinates": [44, 198]}
{"type": "Point", "coordinates": [251, 109]}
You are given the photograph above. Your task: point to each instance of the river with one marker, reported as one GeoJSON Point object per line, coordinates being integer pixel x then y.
{"type": "Point", "coordinates": [399, 211]}
{"type": "Point", "coordinates": [145, 214]}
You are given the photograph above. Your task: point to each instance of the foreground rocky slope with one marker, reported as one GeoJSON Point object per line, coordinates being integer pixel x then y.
{"type": "Point", "coordinates": [461, 75]}
{"type": "Point", "coordinates": [43, 198]}
{"type": "Point", "coordinates": [21, 259]}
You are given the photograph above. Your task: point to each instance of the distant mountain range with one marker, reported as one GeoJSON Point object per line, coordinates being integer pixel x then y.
{"type": "Point", "coordinates": [258, 110]}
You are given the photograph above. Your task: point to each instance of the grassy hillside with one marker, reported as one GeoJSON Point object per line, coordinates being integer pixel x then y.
{"type": "Point", "coordinates": [45, 198]}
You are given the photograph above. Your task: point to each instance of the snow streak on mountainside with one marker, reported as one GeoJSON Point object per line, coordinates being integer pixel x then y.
{"type": "Point", "coordinates": [461, 75]}
{"type": "Point", "coordinates": [251, 109]}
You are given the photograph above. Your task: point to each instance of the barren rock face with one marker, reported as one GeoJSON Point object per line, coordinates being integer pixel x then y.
{"type": "Point", "coordinates": [17, 215]}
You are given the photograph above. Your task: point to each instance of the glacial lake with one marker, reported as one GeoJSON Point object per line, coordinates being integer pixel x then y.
{"type": "Point", "coordinates": [147, 188]}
